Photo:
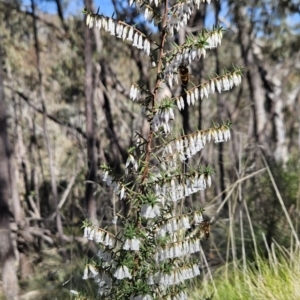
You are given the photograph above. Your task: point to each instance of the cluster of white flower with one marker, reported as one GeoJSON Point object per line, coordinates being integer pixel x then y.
{"type": "Point", "coordinates": [132, 244]}
{"type": "Point", "coordinates": [138, 3]}
{"type": "Point", "coordinates": [131, 161]}
{"type": "Point", "coordinates": [177, 276]}
{"type": "Point", "coordinates": [99, 236]}
{"type": "Point", "coordinates": [181, 13]}
{"type": "Point", "coordinates": [175, 190]}
{"type": "Point", "coordinates": [178, 249]}
{"type": "Point", "coordinates": [118, 188]}
{"type": "Point", "coordinates": [89, 272]}
{"type": "Point", "coordinates": [103, 279]}
{"type": "Point", "coordinates": [222, 83]}
{"type": "Point", "coordinates": [162, 118]}
{"type": "Point", "coordinates": [120, 30]}
{"type": "Point", "coordinates": [188, 53]}
{"type": "Point", "coordinates": [122, 272]}
{"type": "Point", "coordinates": [149, 211]}
{"type": "Point", "coordinates": [187, 146]}
{"type": "Point", "coordinates": [173, 224]}
{"type": "Point", "coordinates": [184, 56]}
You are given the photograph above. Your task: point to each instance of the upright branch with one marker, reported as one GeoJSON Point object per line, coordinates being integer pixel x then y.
{"type": "Point", "coordinates": [151, 256]}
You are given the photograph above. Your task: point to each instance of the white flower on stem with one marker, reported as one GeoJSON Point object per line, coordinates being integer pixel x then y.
{"type": "Point", "coordinates": [122, 193]}
{"type": "Point", "coordinates": [93, 270]}
{"type": "Point", "coordinates": [141, 42]}
{"type": "Point", "coordinates": [130, 34]}
{"type": "Point", "coordinates": [237, 79]}
{"type": "Point", "coordinates": [122, 272]}
{"type": "Point", "coordinates": [185, 223]}
{"type": "Point", "coordinates": [188, 99]}
{"type": "Point", "coordinates": [226, 84]}
{"type": "Point", "coordinates": [135, 40]}
{"type": "Point", "coordinates": [135, 244]}
{"type": "Point", "coordinates": [85, 273]}
{"type": "Point", "coordinates": [208, 180]}
{"type": "Point", "coordinates": [218, 85]}
{"type": "Point", "coordinates": [124, 34]}
{"type": "Point", "coordinates": [107, 240]}
{"type": "Point", "coordinates": [87, 231]}
{"type": "Point", "coordinates": [193, 98]}
{"type": "Point", "coordinates": [91, 235]}
{"type": "Point", "coordinates": [132, 244]}
{"type": "Point", "coordinates": [115, 219]}
{"type": "Point", "coordinates": [221, 137]}
{"type": "Point", "coordinates": [111, 26]}
{"type": "Point", "coordinates": [149, 212]}
{"type": "Point", "coordinates": [74, 292]}
{"type": "Point", "coordinates": [147, 46]}
{"type": "Point", "coordinates": [178, 103]}
{"type": "Point", "coordinates": [226, 134]}
{"type": "Point", "coordinates": [198, 218]}
{"type": "Point", "coordinates": [99, 236]}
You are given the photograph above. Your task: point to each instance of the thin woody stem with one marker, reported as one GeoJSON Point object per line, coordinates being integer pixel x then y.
{"type": "Point", "coordinates": [158, 81]}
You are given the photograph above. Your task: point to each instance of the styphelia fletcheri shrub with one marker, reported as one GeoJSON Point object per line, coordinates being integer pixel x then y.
{"type": "Point", "coordinates": [151, 257]}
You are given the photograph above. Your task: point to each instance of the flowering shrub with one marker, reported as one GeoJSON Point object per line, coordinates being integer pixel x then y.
{"type": "Point", "coordinates": [151, 256]}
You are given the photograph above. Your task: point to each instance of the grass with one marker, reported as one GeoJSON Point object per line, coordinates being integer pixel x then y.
{"type": "Point", "coordinates": [274, 279]}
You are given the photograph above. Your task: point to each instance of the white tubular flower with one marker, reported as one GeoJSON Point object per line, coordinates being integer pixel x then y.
{"type": "Point", "coordinates": [127, 244]}
{"type": "Point", "coordinates": [130, 34]}
{"type": "Point", "coordinates": [74, 292]}
{"type": "Point", "coordinates": [225, 82]}
{"type": "Point", "coordinates": [91, 235]}
{"type": "Point", "coordinates": [218, 85]}
{"type": "Point", "coordinates": [185, 223]}
{"type": "Point", "coordinates": [182, 103]}
{"type": "Point", "coordinates": [135, 39]}
{"type": "Point", "coordinates": [122, 193]}
{"type": "Point", "coordinates": [147, 47]}
{"type": "Point", "coordinates": [93, 270]}
{"type": "Point", "coordinates": [198, 218]}
{"type": "Point", "coordinates": [149, 212]}
{"type": "Point", "coordinates": [178, 103]}
{"type": "Point", "coordinates": [87, 231]}
{"type": "Point", "coordinates": [132, 244]}
{"type": "Point", "coordinates": [85, 273]}
{"type": "Point", "coordinates": [193, 98]}
{"type": "Point", "coordinates": [226, 134]}
{"type": "Point", "coordinates": [124, 33]}
{"type": "Point", "coordinates": [109, 241]}
{"type": "Point", "coordinates": [188, 99]}
{"type": "Point", "coordinates": [133, 93]}
{"type": "Point", "coordinates": [237, 79]}
{"type": "Point", "coordinates": [122, 272]}
{"type": "Point", "coordinates": [196, 270]}
{"type": "Point", "coordinates": [208, 180]}
{"type": "Point", "coordinates": [115, 219]}
{"type": "Point", "coordinates": [135, 244]}
{"type": "Point", "coordinates": [99, 236]}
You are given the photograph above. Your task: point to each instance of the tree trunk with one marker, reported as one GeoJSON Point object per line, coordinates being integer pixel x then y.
{"type": "Point", "coordinates": [7, 257]}
{"type": "Point", "coordinates": [90, 124]}
{"type": "Point", "coordinates": [257, 94]}
{"type": "Point", "coordinates": [45, 129]}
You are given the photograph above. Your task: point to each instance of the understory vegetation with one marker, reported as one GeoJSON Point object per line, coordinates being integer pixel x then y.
{"type": "Point", "coordinates": [124, 135]}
